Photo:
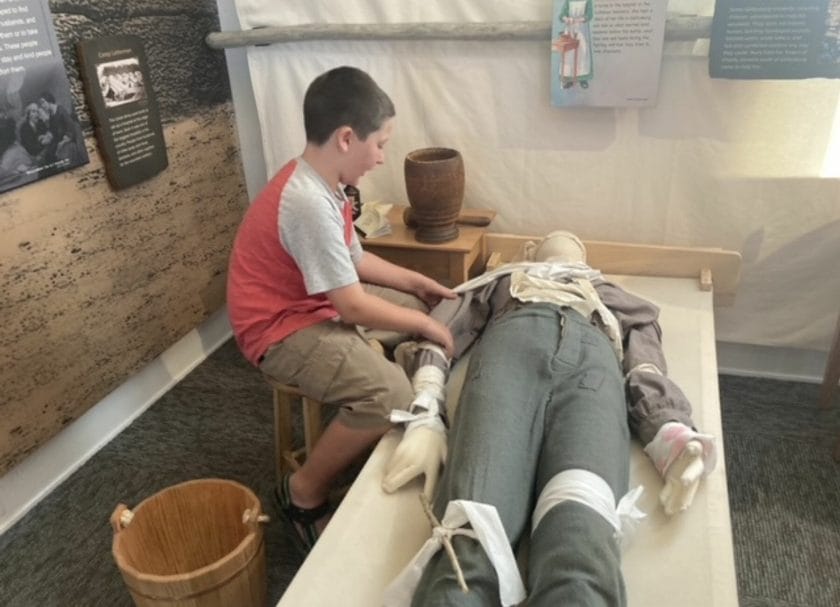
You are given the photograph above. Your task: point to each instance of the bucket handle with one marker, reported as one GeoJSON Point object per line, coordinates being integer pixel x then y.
{"type": "Point", "coordinates": [121, 517]}
{"type": "Point", "coordinates": [253, 517]}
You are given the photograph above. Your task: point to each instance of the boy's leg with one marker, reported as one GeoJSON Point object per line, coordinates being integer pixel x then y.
{"type": "Point", "coordinates": [390, 339]}
{"type": "Point", "coordinates": [574, 556]}
{"type": "Point", "coordinates": [494, 444]}
{"type": "Point", "coordinates": [332, 363]}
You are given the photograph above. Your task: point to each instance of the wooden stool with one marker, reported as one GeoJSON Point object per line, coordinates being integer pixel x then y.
{"type": "Point", "coordinates": [289, 459]}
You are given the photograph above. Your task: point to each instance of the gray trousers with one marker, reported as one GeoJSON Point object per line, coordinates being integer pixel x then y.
{"type": "Point", "coordinates": [544, 393]}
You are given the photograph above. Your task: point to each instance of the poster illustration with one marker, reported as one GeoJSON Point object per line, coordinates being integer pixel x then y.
{"type": "Point", "coordinates": [40, 134]}
{"type": "Point", "coordinates": [606, 53]}
{"type": "Point", "coordinates": [779, 39]}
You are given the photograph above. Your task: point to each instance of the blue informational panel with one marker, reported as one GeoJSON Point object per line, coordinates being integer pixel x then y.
{"type": "Point", "coordinates": [776, 39]}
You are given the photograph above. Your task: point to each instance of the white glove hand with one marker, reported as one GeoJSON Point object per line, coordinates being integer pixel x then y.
{"type": "Point", "coordinates": [682, 479]}
{"type": "Point", "coordinates": [683, 457]}
{"type": "Point", "coordinates": [421, 451]}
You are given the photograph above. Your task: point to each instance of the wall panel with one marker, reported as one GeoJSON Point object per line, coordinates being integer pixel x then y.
{"type": "Point", "coordinates": [96, 283]}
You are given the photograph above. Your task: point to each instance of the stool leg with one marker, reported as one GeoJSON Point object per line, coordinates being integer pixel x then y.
{"type": "Point", "coordinates": [282, 432]}
{"type": "Point", "coordinates": [312, 425]}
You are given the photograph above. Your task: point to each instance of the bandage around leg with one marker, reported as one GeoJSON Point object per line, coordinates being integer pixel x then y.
{"type": "Point", "coordinates": [591, 490]}
{"type": "Point", "coordinates": [487, 529]}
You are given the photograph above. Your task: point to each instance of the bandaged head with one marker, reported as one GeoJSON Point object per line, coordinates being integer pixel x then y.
{"type": "Point", "coordinates": [560, 246]}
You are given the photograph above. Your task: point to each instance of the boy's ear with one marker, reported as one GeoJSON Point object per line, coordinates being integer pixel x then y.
{"type": "Point", "coordinates": [344, 137]}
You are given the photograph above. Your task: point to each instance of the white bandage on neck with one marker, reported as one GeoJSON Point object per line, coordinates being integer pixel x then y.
{"type": "Point", "coordinates": [487, 529]}
{"type": "Point", "coordinates": [590, 490]}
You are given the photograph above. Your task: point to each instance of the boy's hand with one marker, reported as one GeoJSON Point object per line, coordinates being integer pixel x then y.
{"type": "Point", "coordinates": [431, 292]}
{"type": "Point", "coordinates": [437, 332]}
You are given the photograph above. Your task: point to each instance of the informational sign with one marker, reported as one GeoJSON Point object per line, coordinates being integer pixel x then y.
{"type": "Point", "coordinates": [776, 39]}
{"type": "Point", "coordinates": [124, 109]}
{"type": "Point", "coordinates": [606, 52]}
{"type": "Point", "coordinates": [39, 131]}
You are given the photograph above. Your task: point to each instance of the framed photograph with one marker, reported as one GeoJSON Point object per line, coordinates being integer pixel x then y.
{"type": "Point", "coordinates": [125, 114]}
{"type": "Point", "coordinates": [40, 133]}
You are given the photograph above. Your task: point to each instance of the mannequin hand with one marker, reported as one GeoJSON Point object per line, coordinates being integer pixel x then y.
{"type": "Point", "coordinates": [682, 479]}
{"type": "Point", "coordinates": [683, 457]}
{"type": "Point", "coordinates": [421, 451]}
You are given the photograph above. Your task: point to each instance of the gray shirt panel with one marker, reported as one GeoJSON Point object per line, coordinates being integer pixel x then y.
{"type": "Point", "coordinates": [311, 228]}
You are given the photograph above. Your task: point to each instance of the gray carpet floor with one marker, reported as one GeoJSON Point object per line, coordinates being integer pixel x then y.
{"type": "Point", "coordinates": [784, 490]}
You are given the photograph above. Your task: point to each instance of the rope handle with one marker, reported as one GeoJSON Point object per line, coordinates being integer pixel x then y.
{"type": "Point", "coordinates": [121, 517]}
{"type": "Point", "coordinates": [253, 517]}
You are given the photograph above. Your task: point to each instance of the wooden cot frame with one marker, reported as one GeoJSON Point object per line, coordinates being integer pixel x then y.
{"type": "Point", "coordinates": [715, 268]}
{"type": "Point", "coordinates": [717, 273]}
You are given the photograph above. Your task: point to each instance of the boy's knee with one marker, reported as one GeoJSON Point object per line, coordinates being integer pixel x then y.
{"type": "Point", "coordinates": [387, 391]}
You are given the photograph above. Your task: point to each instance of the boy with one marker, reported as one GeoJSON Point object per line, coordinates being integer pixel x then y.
{"type": "Point", "coordinates": [295, 293]}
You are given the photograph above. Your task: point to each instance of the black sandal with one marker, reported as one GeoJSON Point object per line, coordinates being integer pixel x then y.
{"type": "Point", "coordinates": [302, 520]}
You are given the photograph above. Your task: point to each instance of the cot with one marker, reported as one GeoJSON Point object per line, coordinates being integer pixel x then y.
{"type": "Point", "coordinates": [686, 559]}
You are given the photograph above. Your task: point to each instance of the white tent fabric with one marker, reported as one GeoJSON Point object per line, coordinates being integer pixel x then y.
{"type": "Point", "coordinates": [751, 166]}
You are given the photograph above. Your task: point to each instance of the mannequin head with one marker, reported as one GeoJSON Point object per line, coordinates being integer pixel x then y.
{"type": "Point", "coordinates": [561, 246]}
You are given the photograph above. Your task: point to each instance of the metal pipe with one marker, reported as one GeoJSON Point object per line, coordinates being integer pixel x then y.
{"type": "Point", "coordinates": [685, 28]}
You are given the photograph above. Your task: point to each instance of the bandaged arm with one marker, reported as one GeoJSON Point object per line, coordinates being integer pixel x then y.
{"type": "Point", "coordinates": [423, 448]}
{"type": "Point", "coordinates": [659, 412]}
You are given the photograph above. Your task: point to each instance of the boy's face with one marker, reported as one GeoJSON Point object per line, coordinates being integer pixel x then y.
{"type": "Point", "coordinates": [365, 154]}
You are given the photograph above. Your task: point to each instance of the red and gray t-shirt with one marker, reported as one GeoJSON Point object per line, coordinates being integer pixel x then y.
{"type": "Point", "coordinates": [295, 242]}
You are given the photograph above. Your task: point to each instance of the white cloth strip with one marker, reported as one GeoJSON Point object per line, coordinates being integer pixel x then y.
{"type": "Point", "coordinates": [646, 367]}
{"type": "Point", "coordinates": [591, 490]}
{"type": "Point", "coordinates": [540, 269]}
{"type": "Point", "coordinates": [670, 441]}
{"type": "Point", "coordinates": [429, 379]}
{"type": "Point", "coordinates": [574, 293]}
{"type": "Point", "coordinates": [413, 420]}
{"type": "Point", "coordinates": [487, 529]}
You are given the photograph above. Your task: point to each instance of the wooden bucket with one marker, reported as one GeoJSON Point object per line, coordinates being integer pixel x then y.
{"type": "Point", "coordinates": [195, 544]}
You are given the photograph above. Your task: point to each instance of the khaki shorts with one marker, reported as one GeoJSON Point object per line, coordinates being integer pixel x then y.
{"type": "Point", "coordinates": [389, 339]}
{"type": "Point", "coordinates": [332, 362]}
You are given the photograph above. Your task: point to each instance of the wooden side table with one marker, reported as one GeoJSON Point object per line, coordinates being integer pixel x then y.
{"type": "Point", "coordinates": [451, 263]}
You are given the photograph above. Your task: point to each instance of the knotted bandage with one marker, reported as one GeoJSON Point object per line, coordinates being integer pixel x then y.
{"type": "Point", "coordinates": [425, 409]}
{"type": "Point", "coordinates": [590, 490]}
{"type": "Point", "coordinates": [487, 529]}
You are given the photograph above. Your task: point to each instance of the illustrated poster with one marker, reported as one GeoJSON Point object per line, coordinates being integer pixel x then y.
{"type": "Point", "coordinates": [606, 53]}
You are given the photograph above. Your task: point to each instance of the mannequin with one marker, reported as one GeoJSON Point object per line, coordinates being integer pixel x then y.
{"type": "Point", "coordinates": [541, 429]}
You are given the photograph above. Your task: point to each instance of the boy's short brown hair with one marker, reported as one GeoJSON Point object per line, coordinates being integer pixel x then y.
{"type": "Point", "coordinates": [344, 96]}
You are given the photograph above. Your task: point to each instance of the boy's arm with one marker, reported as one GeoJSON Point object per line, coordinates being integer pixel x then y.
{"type": "Point", "coordinates": [373, 269]}
{"type": "Point", "coordinates": [357, 307]}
